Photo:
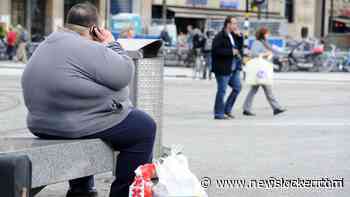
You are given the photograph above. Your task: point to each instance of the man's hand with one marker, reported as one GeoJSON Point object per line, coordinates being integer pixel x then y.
{"type": "Point", "coordinates": [237, 32]}
{"type": "Point", "coordinates": [267, 55]}
{"type": "Point", "coordinates": [235, 52]}
{"type": "Point", "coordinates": [104, 36]}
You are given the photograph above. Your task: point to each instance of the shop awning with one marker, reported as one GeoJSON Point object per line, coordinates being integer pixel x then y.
{"type": "Point", "coordinates": [204, 13]}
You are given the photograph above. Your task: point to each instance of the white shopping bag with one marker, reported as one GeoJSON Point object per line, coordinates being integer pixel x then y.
{"type": "Point", "coordinates": [173, 172]}
{"type": "Point", "coordinates": [259, 72]}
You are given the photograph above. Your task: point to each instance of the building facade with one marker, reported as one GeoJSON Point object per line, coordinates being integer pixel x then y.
{"type": "Point", "coordinates": [41, 17]}
{"type": "Point", "coordinates": [201, 13]}
{"type": "Point", "coordinates": [320, 16]}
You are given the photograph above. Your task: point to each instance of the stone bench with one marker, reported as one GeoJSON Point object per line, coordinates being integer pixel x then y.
{"type": "Point", "coordinates": [55, 161]}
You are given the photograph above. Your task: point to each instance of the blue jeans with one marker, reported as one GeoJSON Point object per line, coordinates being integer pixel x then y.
{"type": "Point", "coordinates": [134, 138]}
{"type": "Point", "coordinates": [221, 107]}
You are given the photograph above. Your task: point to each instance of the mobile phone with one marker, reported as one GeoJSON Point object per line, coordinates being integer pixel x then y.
{"type": "Point", "coordinates": [93, 30]}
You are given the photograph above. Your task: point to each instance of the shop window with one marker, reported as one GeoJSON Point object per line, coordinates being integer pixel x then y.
{"type": "Point", "coordinates": [18, 12]}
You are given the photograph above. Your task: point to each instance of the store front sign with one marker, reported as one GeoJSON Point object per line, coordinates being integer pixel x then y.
{"type": "Point", "coordinates": [229, 4]}
{"type": "Point", "coordinates": [197, 2]}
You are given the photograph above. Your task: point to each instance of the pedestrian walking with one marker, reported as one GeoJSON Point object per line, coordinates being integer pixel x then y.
{"type": "Point", "coordinates": [3, 45]}
{"type": "Point", "coordinates": [198, 46]}
{"type": "Point", "coordinates": [22, 45]}
{"type": "Point", "coordinates": [165, 37]}
{"type": "Point", "coordinates": [261, 47]}
{"type": "Point", "coordinates": [3, 32]}
{"type": "Point", "coordinates": [11, 43]}
{"type": "Point", "coordinates": [209, 36]}
{"type": "Point", "coordinates": [227, 51]}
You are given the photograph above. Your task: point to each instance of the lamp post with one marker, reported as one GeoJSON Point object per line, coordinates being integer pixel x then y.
{"type": "Point", "coordinates": [267, 9]}
{"type": "Point", "coordinates": [332, 15]}
{"type": "Point", "coordinates": [29, 18]}
{"type": "Point", "coordinates": [108, 13]}
{"type": "Point", "coordinates": [247, 6]}
{"type": "Point", "coordinates": [164, 13]}
{"type": "Point", "coordinates": [323, 13]}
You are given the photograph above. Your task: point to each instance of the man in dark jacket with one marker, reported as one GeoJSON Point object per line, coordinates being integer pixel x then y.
{"type": "Point", "coordinates": [227, 50]}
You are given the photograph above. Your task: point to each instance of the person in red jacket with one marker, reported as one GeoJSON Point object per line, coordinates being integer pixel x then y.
{"type": "Point", "coordinates": [11, 42]}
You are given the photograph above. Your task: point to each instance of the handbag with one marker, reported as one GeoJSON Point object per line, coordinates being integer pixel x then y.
{"type": "Point", "coordinates": [259, 72]}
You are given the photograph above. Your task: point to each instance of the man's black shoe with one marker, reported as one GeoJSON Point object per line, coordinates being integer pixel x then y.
{"type": "Point", "coordinates": [248, 113]}
{"type": "Point", "coordinates": [278, 111]}
{"type": "Point", "coordinates": [89, 193]}
{"type": "Point", "coordinates": [221, 118]}
{"type": "Point", "coordinates": [229, 115]}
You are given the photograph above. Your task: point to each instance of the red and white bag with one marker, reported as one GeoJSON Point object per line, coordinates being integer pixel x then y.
{"type": "Point", "coordinates": [142, 185]}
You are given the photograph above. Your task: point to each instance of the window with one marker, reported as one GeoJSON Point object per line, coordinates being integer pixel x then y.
{"type": "Point", "coordinates": [18, 13]}
{"type": "Point", "coordinates": [289, 11]}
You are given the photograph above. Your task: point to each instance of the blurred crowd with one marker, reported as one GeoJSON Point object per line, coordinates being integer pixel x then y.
{"type": "Point", "coordinates": [13, 43]}
{"type": "Point", "coordinates": [193, 49]}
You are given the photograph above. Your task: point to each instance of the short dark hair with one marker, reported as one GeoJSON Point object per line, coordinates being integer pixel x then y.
{"type": "Point", "coordinates": [83, 14]}
{"type": "Point", "coordinates": [228, 20]}
{"type": "Point", "coordinates": [260, 34]}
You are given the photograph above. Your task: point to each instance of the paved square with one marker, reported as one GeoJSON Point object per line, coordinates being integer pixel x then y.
{"type": "Point", "coordinates": [310, 141]}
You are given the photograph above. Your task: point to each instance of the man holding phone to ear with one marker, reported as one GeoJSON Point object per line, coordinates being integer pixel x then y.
{"type": "Point", "coordinates": [227, 52]}
{"type": "Point", "coordinates": [75, 86]}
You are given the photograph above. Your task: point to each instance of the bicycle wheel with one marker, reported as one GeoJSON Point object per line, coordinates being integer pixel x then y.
{"type": "Point", "coordinates": [328, 65]}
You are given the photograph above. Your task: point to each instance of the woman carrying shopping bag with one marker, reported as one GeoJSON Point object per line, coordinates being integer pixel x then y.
{"type": "Point", "coordinates": [261, 49]}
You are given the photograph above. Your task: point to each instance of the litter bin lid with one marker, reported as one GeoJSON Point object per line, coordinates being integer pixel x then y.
{"type": "Point", "coordinates": [141, 48]}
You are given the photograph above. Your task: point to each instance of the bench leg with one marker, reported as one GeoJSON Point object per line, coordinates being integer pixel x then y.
{"type": "Point", "coordinates": [35, 191]}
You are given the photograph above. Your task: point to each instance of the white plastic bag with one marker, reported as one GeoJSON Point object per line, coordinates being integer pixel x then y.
{"type": "Point", "coordinates": [173, 172]}
{"type": "Point", "coordinates": [259, 72]}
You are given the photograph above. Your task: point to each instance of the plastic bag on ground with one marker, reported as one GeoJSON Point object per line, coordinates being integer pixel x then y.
{"type": "Point", "coordinates": [174, 173]}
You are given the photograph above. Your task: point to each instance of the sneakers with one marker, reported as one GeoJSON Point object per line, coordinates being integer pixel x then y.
{"type": "Point", "coordinates": [89, 193]}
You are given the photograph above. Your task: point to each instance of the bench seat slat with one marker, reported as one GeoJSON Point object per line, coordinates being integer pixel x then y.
{"type": "Point", "coordinates": [55, 161]}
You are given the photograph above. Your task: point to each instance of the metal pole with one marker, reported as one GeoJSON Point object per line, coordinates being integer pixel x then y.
{"type": "Point", "coordinates": [29, 18]}
{"type": "Point", "coordinates": [247, 6]}
{"type": "Point", "coordinates": [332, 15]}
{"type": "Point", "coordinates": [164, 4]}
{"type": "Point", "coordinates": [323, 13]}
{"type": "Point", "coordinates": [267, 9]}
{"type": "Point", "coordinates": [108, 13]}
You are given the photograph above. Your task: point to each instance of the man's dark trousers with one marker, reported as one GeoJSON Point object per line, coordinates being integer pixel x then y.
{"type": "Point", "coordinates": [134, 138]}
{"type": "Point", "coordinates": [221, 107]}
